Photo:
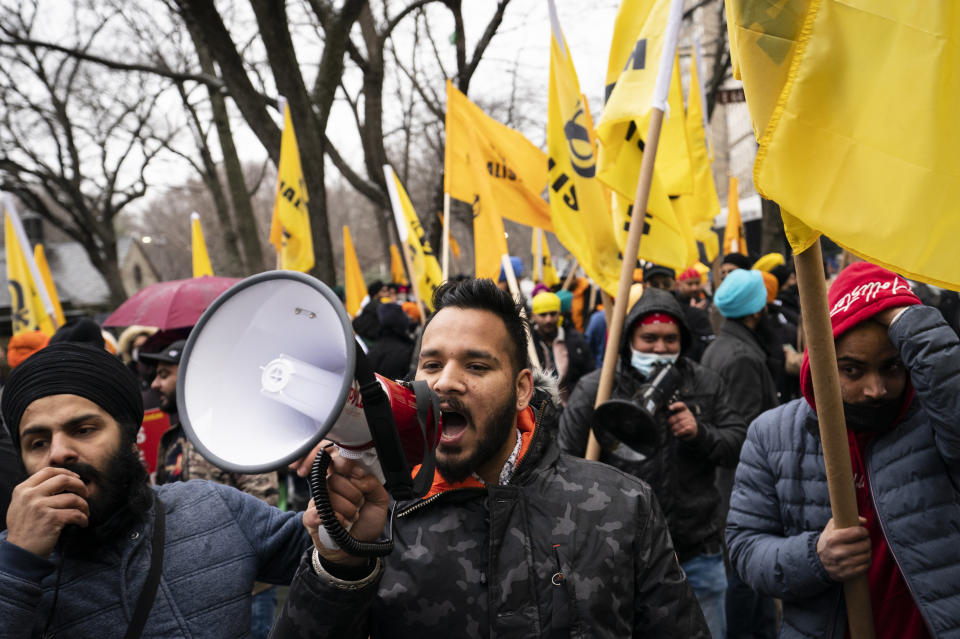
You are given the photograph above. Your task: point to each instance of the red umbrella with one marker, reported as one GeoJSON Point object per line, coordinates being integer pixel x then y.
{"type": "Point", "coordinates": [173, 304]}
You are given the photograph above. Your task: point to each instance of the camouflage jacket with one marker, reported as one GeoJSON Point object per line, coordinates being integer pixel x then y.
{"type": "Point", "coordinates": [567, 548]}
{"type": "Point", "coordinates": [179, 460]}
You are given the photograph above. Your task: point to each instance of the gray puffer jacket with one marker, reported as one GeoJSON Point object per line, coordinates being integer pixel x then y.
{"type": "Point", "coordinates": [682, 473]}
{"type": "Point", "coordinates": [568, 548]}
{"type": "Point", "coordinates": [780, 501]}
{"type": "Point", "coordinates": [218, 542]}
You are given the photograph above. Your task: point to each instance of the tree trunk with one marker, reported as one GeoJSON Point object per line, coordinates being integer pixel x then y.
{"type": "Point", "coordinates": [244, 224]}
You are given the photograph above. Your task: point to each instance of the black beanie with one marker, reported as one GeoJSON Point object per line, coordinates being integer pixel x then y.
{"type": "Point", "coordinates": [72, 369]}
{"type": "Point", "coordinates": [83, 331]}
{"type": "Point", "coordinates": [737, 259]}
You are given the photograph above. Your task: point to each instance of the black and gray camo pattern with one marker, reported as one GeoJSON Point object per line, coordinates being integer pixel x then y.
{"type": "Point", "coordinates": [569, 548]}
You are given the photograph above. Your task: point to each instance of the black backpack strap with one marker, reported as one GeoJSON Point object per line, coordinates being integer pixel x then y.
{"type": "Point", "coordinates": [149, 592]}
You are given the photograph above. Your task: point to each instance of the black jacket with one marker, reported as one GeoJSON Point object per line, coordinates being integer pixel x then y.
{"type": "Point", "coordinates": [567, 548]}
{"type": "Point", "coordinates": [580, 360]}
{"type": "Point", "coordinates": [682, 473]}
{"type": "Point", "coordinates": [738, 357]}
{"type": "Point", "coordinates": [390, 355]}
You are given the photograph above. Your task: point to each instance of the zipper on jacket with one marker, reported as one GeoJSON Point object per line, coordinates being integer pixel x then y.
{"type": "Point", "coordinates": [433, 498]}
{"type": "Point", "coordinates": [883, 531]}
{"type": "Point", "coordinates": [557, 578]}
{"type": "Point", "coordinates": [536, 420]}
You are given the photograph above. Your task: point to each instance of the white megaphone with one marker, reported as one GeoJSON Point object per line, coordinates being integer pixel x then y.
{"type": "Point", "coordinates": [272, 368]}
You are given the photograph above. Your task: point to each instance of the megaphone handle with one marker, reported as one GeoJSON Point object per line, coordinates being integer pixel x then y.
{"type": "Point", "coordinates": [337, 533]}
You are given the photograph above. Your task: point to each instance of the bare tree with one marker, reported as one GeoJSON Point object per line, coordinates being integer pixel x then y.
{"type": "Point", "coordinates": [74, 153]}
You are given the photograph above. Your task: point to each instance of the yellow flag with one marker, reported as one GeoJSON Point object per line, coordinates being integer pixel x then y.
{"type": "Point", "coordinates": [702, 206]}
{"type": "Point", "coordinates": [397, 273]}
{"type": "Point", "coordinates": [290, 225]}
{"type": "Point", "coordinates": [201, 259]}
{"type": "Point", "coordinates": [547, 272]}
{"type": "Point", "coordinates": [733, 239]}
{"type": "Point", "coordinates": [581, 220]}
{"type": "Point", "coordinates": [763, 39]}
{"type": "Point", "coordinates": [426, 270]}
{"type": "Point", "coordinates": [27, 304]}
{"type": "Point", "coordinates": [861, 139]}
{"type": "Point", "coordinates": [354, 288]}
{"type": "Point", "coordinates": [40, 257]}
{"type": "Point", "coordinates": [635, 52]}
{"type": "Point", "coordinates": [497, 171]}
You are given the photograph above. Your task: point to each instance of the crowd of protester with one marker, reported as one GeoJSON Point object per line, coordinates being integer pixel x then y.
{"type": "Point", "coordinates": [707, 515]}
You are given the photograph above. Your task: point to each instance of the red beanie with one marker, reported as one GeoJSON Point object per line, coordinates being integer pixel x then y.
{"type": "Point", "coordinates": [860, 291]}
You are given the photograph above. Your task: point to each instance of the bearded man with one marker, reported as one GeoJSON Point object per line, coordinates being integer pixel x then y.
{"type": "Point", "coordinates": [513, 538]}
{"type": "Point", "coordinates": [91, 550]}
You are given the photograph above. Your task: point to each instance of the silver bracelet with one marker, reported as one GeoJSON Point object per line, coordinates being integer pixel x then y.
{"type": "Point", "coordinates": [342, 583]}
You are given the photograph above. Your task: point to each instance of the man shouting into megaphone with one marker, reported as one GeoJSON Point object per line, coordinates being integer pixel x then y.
{"type": "Point", "coordinates": [513, 538]}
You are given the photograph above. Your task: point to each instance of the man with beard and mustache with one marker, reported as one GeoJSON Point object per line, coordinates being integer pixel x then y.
{"type": "Point", "coordinates": [563, 350]}
{"type": "Point", "coordinates": [900, 386]}
{"type": "Point", "coordinates": [513, 538]}
{"type": "Point", "coordinates": [85, 529]}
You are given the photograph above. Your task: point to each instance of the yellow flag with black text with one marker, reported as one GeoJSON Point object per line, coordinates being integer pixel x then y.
{"type": "Point", "coordinates": [201, 259]}
{"type": "Point", "coordinates": [858, 131]}
{"type": "Point", "coordinates": [353, 287]}
{"type": "Point", "coordinates": [27, 308]}
{"type": "Point", "coordinates": [426, 274]}
{"type": "Point", "coordinates": [496, 170]}
{"type": "Point", "coordinates": [635, 51]}
{"type": "Point", "coordinates": [290, 224]}
{"type": "Point", "coordinates": [581, 217]}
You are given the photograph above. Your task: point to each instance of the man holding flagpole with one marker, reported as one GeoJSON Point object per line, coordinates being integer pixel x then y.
{"type": "Point", "coordinates": [900, 387]}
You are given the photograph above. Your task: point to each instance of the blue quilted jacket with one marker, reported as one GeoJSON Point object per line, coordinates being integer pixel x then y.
{"type": "Point", "coordinates": [218, 542]}
{"type": "Point", "coordinates": [780, 502]}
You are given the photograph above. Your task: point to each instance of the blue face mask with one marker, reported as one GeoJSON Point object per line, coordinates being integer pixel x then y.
{"type": "Point", "coordinates": [644, 362]}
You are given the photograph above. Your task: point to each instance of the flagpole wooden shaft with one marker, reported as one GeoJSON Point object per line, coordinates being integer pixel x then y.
{"type": "Point", "coordinates": [630, 251]}
{"type": "Point", "coordinates": [574, 265]}
{"type": "Point", "coordinates": [411, 276]}
{"type": "Point", "coordinates": [515, 291]}
{"type": "Point", "coordinates": [445, 239]}
{"type": "Point", "coordinates": [833, 431]}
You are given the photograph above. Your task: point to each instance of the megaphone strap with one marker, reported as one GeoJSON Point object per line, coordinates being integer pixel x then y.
{"type": "Point", "coordinates": [426, 400]}
{"type": "Point", "coordinates": [376, 408]}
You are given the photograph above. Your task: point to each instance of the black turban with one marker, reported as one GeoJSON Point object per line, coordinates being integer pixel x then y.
{"type": "Point", "coordinates": [72, 369]}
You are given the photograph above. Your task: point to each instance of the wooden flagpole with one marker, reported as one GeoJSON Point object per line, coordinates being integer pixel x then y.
{"type": "Point", "coordinates": [445, 239]}
{"type": "Point", "coordinates": [833, 429]}
{"type": "Point", "coordinates": [515, 291]}
{"type": "Point", "coordinates": [635, 230]}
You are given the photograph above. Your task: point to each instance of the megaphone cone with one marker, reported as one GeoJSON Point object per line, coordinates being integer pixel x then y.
{"type": "Point", "coordinates": [265, 325]}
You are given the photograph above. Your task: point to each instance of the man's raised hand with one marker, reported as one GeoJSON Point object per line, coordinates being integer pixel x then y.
{"type": "Point", "coordinates": [42, 505]}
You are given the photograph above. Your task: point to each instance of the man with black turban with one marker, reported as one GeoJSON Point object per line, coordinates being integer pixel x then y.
{"type": "Point", "coordinates": [90, 549]}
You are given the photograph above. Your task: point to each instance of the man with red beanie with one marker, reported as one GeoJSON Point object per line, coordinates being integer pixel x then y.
{"type": "Point", "coordinates": [898, 365]}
